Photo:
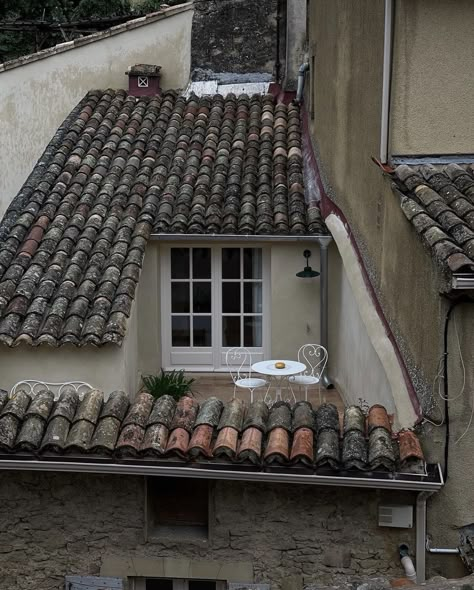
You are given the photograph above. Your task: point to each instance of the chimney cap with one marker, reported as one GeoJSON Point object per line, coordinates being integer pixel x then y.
{"type": "Point", "coordinates": [144, 70]}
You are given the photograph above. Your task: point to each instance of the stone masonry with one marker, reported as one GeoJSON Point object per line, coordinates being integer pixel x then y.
{"type": "Point", "coordinates": [52, 525]}
{"type": "Point", "coordinates": [235, 36]}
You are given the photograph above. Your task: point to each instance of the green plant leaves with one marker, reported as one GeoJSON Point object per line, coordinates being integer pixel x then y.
{"type": "Point", "coordinates": [173, 383]}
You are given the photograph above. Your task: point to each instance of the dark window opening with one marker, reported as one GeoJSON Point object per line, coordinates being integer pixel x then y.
{"type": "Point", "coordinates": [178, 507]}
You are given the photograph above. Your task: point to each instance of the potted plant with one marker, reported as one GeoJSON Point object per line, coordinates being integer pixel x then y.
{"type": "Point", "coordinates": [173, 383]}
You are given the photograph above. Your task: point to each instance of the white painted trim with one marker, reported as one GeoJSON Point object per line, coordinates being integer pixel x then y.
{"type": "Point", "coordinates": [405, 412]}
{"type": "Point", "coordinates": [218, 351]}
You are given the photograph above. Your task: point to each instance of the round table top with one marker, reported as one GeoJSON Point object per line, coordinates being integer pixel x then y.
{"type": "Point", "coordinates": [268, 367]}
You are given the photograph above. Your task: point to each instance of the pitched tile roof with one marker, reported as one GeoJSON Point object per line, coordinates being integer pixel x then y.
{"type": "Point", "coordinates": [119, 168]}
{"type": "Point", "coordinates": [212, 432]}
{"type": "Point", "coordinates": [439, 202]}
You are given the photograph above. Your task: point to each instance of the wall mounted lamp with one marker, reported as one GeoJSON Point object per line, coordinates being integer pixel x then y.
{"type": "Point", "coordinates": [307, 272]}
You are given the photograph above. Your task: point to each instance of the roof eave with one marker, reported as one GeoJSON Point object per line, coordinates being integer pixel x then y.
{"type": "Point", "coordinates": [389, 481]}
{"type": "Point", "coordinates": [321, 238]}
{"type": "Point", "coordinates": [462, 282]}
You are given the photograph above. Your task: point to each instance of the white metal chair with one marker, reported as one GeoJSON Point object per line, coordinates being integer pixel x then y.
{"type": "Point", "coordinates": [33, 386]}
{"type": "Point", "coordinates": [315, 357]}
{"type": "Point", "coordinates": [239, 363]}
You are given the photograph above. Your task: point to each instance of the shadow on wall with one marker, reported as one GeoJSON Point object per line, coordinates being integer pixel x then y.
{"type": "Point", "coordinates": [354, 365]}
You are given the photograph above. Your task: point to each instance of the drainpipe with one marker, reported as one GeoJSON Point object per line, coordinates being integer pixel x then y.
{"type": "Point", "coordinates": [304, 67]}
{"type": "Point", "coordinates": [421, 536]}
{"type": "Point", "coordinates": [386, 79]}
{"type": "Point", "coordinates": [407, 563]}
{"type": "Point", "coordinates": [440, 550]}
{"type": "Point", "coordinates": [324, 307]}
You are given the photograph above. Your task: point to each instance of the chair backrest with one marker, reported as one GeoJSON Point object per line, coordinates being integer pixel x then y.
{"type": "Point", "coordinates": [33, 386]}
{"type": "Point", "coordinates": [239, 363]}
{"type": "Point", "coordinates": [315, 357]}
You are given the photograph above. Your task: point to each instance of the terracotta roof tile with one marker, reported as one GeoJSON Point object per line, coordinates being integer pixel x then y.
{"type": "Point", "coordinates": [72, 241]}
{"type": "Point", "coordinates": [439, 202]}
{"type": "Point", "coordinates": [212, 432]}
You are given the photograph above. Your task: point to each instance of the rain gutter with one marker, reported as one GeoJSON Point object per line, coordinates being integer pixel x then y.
{"type": "Point", "coordinates": [391, 482]}
{"type": "Point", "coordinates": [463, 281]}
{"type": "Point", "coordinates": [322, 239]}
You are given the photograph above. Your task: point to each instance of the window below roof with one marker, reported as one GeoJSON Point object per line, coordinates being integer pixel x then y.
{"type": "Point", "coordinates": [177, 508]}
{"type": "Point", "coordinates": [213, 299]}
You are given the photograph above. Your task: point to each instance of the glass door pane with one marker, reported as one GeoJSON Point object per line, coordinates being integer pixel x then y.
{"type": "Point", "coordinates": [242, 297]}
{"type": "Point", "coordinates": [191, 306]}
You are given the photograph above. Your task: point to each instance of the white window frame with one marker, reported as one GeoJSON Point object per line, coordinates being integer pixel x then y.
{"type": "Point", "coordinates": [143, 82]}
{"type": "Point", "coordinates": [178, 583]}
{"type": "Point", "coordinates": [215, 353]}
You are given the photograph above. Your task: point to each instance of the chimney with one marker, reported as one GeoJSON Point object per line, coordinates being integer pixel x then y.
{"type": "Point", "coordinates": [144, 80]}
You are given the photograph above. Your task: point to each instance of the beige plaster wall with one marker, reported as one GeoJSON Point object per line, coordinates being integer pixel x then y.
{"type": "Point", "coordinates": [104, 368]}
{"type": "Point", "coordinates": [107, 368]}
{"type": "Point", "coordinates": [149, 313]}
{"type": "Point", "coordinates": [294, 301]}
{"type": "Point", "coordinates": [36, 97]}
{"type": "Point", "coordinates": [453, 507]}
{"type": "Point", "coordinates": [347, 88]}
{"type": "Point", "coordinates": [294, 312]}
{"type": "Point", "coordinates": [432, 82]}
{"type": "Point", "coordinates": [354, 365]}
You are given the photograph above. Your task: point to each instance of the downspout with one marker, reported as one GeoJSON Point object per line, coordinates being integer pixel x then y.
{"type": "Point", "coordinates": [324, 306]}
{"type": "Point", "coordinates": [278, 33]}
{"type": "Point", "coordinates": [421, 536]}
{"type": "Point", "coordinates": [304, 67]}
{"type": "Point", "coordinates": [386, 79]}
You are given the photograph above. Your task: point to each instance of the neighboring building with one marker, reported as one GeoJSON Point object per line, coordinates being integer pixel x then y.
{"type": "Point", "coordinates": [154, 494]}
{"type": "Point", "coordinates": [391, 82]}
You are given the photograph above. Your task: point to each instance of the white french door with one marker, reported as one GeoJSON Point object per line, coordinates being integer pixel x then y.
{"type": "Point", "coordinates": [213, 298]}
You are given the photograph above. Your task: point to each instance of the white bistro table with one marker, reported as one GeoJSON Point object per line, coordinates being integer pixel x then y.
{"type": "Point", "coordinates": [279, 378]}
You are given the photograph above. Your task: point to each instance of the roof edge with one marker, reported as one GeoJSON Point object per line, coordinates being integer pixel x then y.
{"type": "Point", "coordinates": [99, 36]}
{"type": "Point", "coordinates": [433, 482]}
{"type": "Point", "coordinates": [321, 238]}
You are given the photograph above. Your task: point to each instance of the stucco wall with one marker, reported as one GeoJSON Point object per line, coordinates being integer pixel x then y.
{"type": "Point", "coordinates": [295, 301]}
{"type": "Point", "coordinates": [36, 97]}
{"type": "Point", "coordinates": [354, 365]}
{"type": "Point", "coordinates": [268, 533]}
{"type": "Point", "coordinates": [291, 298]}
{"type": "Point", "coordinates": [107, 368]}
{"type": "Point", "coordinates": [432, 82]}
{"type": "Point", "coordinates": [346, 133]}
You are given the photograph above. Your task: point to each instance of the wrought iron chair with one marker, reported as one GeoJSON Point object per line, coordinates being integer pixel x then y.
{"type": "Point", "coordinates": [33, 386]}
{"type": "Point", "coordinates": [315, 357]}
{"type": "Point", "coordinates": [239, 363]}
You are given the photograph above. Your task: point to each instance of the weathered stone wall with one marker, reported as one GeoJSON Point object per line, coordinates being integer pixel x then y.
{"type": "Point", "coordinates": [235, 36]}
{"type": "Point", "coordinates": [52, 525]}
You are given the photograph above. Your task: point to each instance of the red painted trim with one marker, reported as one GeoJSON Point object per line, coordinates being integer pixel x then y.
{"type": "Point", "coordinates": [282, 96]}
{"type": "Point", "coordinates": [327, 207]}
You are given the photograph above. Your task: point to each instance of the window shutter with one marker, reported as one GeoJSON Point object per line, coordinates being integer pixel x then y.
{"type": "Point", "coordinates": [93, 583]}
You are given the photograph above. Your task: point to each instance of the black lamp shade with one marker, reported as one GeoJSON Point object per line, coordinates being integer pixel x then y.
{"type": "Point", "coordinates": [307, 272]}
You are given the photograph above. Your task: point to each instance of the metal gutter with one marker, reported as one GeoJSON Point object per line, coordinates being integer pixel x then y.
{"type": "Point", "coordinates": [324, 305]}
{"type": "Point", "coordinates": [236, 238]}
{"type": "Point", "coordinates": [463, 281]}
{"type": "Point", "coordinates": [390, 483]}
{"type": "Point", "coordinates": [433, 159]}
